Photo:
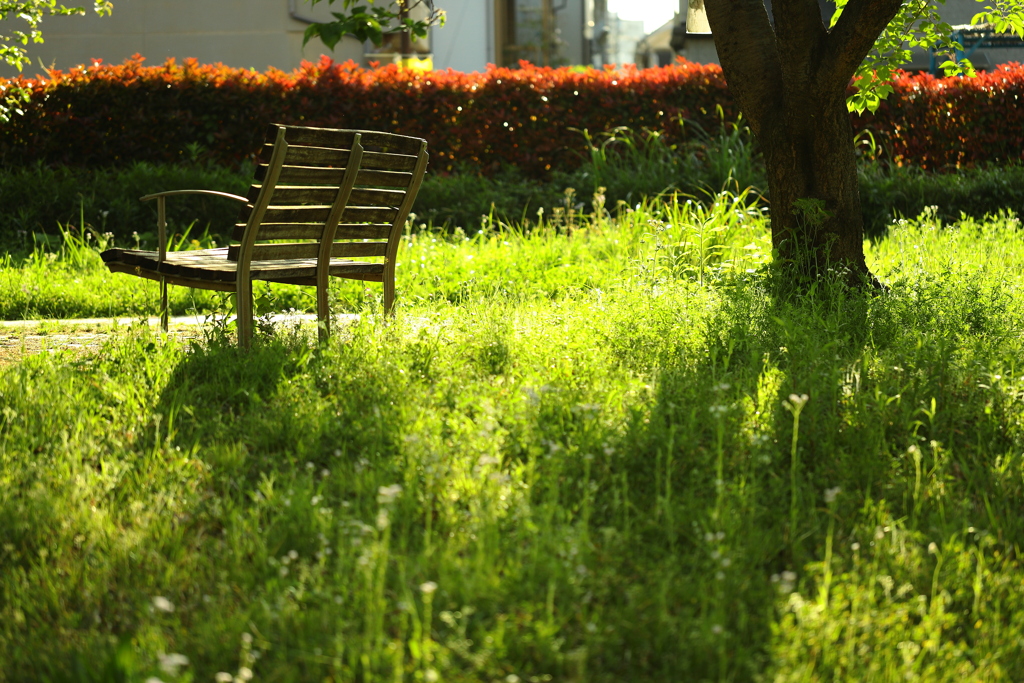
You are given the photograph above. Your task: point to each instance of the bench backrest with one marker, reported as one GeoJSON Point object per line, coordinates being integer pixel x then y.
{"type": "Point", "coordinates": [349, 189]}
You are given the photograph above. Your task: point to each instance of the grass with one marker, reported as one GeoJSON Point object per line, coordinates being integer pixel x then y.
{"type": "Point", "coordinates": [622, 166]}
{"type": "Point", "coordinates": [596, 451]}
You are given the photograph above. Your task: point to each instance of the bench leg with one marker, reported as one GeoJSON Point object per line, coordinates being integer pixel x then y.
{"type": "Point", "coordinates": [389, 290]}
{"type": "Point", "coordinates": [164, 314]}
{"type": "Point", "coordinates": [243, 312]}
{"type": "Point", "coordinates": [323, 312]}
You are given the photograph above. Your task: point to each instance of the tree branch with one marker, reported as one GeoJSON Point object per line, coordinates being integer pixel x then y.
{"type": "Point", "coordinates": [854, 35]}
{"type": "Point", "coordinates": [799, 32]}
{"type": "Point", "coordinates": [748, 52]}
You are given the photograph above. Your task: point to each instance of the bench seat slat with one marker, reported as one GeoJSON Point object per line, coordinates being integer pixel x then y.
{"type": "Point", "coordinates": [313, 231]}
{"type": "Point", "coordinates": [326, 195]}
{"type": "Point", "coordinates": [212, 265]}
{"type": "Point", "coordinates": [267, 252]}
{"type": "Point", "coordinates": [331, 177]}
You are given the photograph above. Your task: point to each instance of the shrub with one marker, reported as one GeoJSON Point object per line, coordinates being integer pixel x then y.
{"type": "Point", "coordinates": [39, 199]}
{"type": "Point", "coordinates": [115, 115]}
{"type": "Point", "coordinates": [886, 194]}
{"type": "Point", "coordinates": [938, 123]}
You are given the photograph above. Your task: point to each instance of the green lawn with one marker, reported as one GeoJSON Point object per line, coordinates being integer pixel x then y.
{"type": "Point", "coordinates": [577, 454]}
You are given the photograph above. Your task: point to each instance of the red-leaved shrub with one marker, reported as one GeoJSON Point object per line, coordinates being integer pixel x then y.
{"type": "Point", "coordinates": [111, 115]}
{"type": "Point", "coordinates": [941, 123]}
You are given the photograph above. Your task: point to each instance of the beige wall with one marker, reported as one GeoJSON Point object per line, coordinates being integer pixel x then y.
{"type": "Point", "coordinates": [240, 33]}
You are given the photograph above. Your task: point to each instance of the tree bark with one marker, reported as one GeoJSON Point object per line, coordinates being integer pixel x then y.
{"type": "Point", "coordinates": [790, 82]}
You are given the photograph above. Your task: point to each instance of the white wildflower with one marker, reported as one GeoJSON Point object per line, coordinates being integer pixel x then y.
{"type": "Point", "coordinates": [162, 604]}
{"type": "Point", "coordinates": [172, 663]}
{"type": "Point", "coordinates": [388, 494]}
{"type": "Point", "coordinates": [830, 494]}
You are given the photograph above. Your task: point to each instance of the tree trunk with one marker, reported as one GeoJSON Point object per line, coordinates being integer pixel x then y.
{"type": "Point", "coordinates": [789, 79]}
{"type": "Point", "coordinates": [807, 142]}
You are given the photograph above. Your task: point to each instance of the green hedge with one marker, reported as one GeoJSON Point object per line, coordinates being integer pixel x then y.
{"type": "Point", "coordinates": [906, 192]}
{"type": "Point", "coordinates": [40, 200]}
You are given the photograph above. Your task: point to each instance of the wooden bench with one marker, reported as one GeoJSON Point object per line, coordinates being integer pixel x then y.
{"type": "Point", "coordinates": [323, 203]}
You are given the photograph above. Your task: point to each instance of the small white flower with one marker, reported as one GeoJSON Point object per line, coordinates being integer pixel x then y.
{"type": "Point", "coordinates": [511, 678]}
{"type": "Point", "coordinates": [855, 546]}
{"type": "Point", "coordinates": [932, 548]}
{"type": "Point", "coordinates": [795, 402]}
{"type": "Point", "coordinates": [247, 638]}
{"type": "Point", "coordinates": [830, 494]}
{"type": "Point", "coordinates": [223, 677]}
{"type": "Point", "coordinates": [431, 676]}
{"type": "Point", "coordinates": [245, 673]}
{"type": "Point", "coordinates": [172, 663]}
{"type": "Point", "coordinates": [383, 521]}
{"type": "Point", "coordinates": [717, 629]}
{"type": "Point", "coordinates": [388, 494]}
{"type": "Point", "coordinates": [428, 587]}
{"type": "Point", "coordinates": [162, 604]}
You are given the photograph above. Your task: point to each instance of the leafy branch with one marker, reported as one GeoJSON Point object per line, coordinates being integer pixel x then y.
{"type": "Point", "coordinates": [918, 24]}
{"type": "Point", "coordinates": [12, 41]}
{"type": "Point", "coordinates": [372, 23]}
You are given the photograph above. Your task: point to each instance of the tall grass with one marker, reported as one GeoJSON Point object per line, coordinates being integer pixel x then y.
{"type": "Point", "coordinates": [558, 254]}
{"type": "Point", "coordinates": [593, 451]}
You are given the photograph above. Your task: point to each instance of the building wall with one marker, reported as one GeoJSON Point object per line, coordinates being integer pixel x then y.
{"type": "Point", "coordinates": [571, 23]}
{"type": "Point", "coordinates": [240, 33]}
{"type": "Point", "coordinates": [700, 48]}
{"type": "Point", "coordinates": [466, 41]}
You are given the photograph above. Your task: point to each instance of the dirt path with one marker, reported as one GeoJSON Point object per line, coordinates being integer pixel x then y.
{"type": "Point", "coordinates": [21, 338]}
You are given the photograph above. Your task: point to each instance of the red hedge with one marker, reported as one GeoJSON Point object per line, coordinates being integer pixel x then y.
{"type": "Point", "coordinates": [952, 122]}
{"type": "Point", "coordinates": [106, 115]}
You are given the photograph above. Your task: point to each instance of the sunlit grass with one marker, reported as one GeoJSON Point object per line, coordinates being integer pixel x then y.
{"type": "Point", "coordinates": [573, 455]}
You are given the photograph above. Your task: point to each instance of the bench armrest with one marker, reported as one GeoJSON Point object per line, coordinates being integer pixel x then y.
{"type": "Point", "coordinates": [161, 212]}
{"type": "Point", "coordinates": [169, 193]}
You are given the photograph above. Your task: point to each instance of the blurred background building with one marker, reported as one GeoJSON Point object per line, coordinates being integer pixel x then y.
{"type": "Point", "coordinates": [268, 33]}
